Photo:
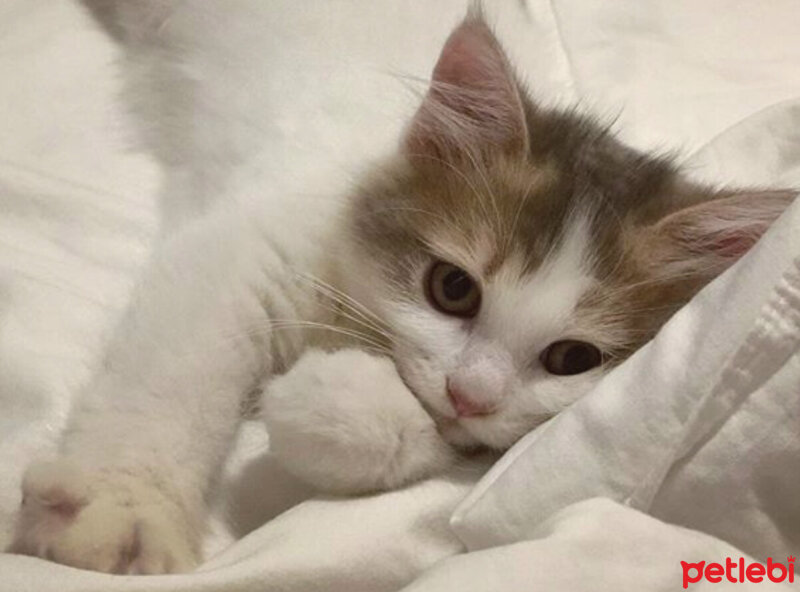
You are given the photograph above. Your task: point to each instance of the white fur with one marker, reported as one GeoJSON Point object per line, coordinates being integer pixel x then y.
{"type": "Point", "coordinates": [217, 308]}
{"type": "Point", "coordinates": [156, 422]}
{"type": "Point", "coordinates": [346, 422]}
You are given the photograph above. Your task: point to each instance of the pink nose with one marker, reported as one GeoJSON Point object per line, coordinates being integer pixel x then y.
{"type": "Point", "coordinates": [466, 407]}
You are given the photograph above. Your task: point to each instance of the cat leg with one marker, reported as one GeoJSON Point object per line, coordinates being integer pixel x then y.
{"type": "Point", "coordinates": [346, 423]}
{"type": "Point", "coordinates": [146, 437]}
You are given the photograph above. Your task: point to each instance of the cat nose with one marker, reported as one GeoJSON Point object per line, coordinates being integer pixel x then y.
{"type": "Point", "coordinates": [481, 380]}
{"type": "Point", "coordinates": [467, 407]}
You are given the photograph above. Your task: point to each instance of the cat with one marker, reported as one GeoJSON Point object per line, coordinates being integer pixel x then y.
{"type": "Point", "coordinates": [474, 285]}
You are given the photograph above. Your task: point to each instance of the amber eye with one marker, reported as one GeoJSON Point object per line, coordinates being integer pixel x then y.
{"type": "Point", "coordinates": [452, 291]}
{"type": "Point", "coordinates": [568, 357]}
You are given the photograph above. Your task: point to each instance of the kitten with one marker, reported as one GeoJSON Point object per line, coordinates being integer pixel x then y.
{"type": "Point", "coordinates": [505, 260]}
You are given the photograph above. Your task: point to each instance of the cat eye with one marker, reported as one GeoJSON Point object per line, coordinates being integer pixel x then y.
{"type": "Point", "coordinates": [568, 357]}
{"type": "Point", "coordinates": [452, 291]}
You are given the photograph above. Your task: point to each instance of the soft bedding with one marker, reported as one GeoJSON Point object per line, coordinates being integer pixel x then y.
{"type": "Point", "coordinates": [699, 429]}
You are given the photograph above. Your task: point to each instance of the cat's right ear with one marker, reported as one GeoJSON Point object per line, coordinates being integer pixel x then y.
{"type": "Point", "coordinates": [474, 101]}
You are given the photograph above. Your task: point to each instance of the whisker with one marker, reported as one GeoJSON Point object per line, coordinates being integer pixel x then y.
{"type": "Point", "coordinates": [365, 316]}
{"type": "Point", "coordinates": [363, 312]}
{"type": "Point", "coordinates": [269, 327]}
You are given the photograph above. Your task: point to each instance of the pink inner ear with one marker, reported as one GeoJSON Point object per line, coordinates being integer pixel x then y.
{"type": "Point", "coordinates": [722, 230]}
{"type": "Point", "coordinates": [473, 100]}
{"type": "Point", "coordinates": [471, 58]}
{"type": "Point", "coordinates": [732, 245]}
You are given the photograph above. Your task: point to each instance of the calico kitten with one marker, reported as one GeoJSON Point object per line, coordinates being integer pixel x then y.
{"type": "Point", "coordinates": [515, 255]}
{"type": "Point", "coordinates": [504, 260]}
{"type": "Point", "coordinates": [518, 253]}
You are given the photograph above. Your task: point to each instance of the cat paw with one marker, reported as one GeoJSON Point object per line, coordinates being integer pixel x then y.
{"type": "Point", "coordinates": [345, 422]}
{"type": "Point", "coordinates": [110, 524]}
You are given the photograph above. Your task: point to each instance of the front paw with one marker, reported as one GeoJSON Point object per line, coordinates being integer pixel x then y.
{"type": "Point", "coordinates": [107, 523]}
{"type": "Point", "coordinates": [346, 423]}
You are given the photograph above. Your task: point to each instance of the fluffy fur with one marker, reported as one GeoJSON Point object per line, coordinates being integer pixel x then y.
{"type": "Point", "coordinates": [345, 422]}
{"type": "Point", "coordinates": [568, 233]}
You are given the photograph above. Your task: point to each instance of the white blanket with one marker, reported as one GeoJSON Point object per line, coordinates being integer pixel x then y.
{"type": "Point", "coordinates": [699, 429]}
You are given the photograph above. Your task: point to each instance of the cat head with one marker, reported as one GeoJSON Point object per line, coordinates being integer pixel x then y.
{"type": "Point", "coordinates": [516, 253]}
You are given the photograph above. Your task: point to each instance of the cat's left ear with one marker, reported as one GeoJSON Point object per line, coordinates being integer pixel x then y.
{"type": "Point", "coordinates": [701, 241]}
{"type": "Point", "coordinates": [474, 101]}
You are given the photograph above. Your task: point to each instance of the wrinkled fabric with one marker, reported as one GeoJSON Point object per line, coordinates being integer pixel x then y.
{"type": "Point", "coordinates": [594, 545]}
{"type": "Point", "coordinates": [698, 429]}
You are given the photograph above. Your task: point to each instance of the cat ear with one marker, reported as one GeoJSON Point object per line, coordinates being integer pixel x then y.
{"type": "Point", "coordinates": [473, 102]}
{"type": "Point", "coordinates": [703, 240]}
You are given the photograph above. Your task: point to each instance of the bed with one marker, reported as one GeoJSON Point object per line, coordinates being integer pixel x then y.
{"type": "Point", "coordinates": [687, 452]}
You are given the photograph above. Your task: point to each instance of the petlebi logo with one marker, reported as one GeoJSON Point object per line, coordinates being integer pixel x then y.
{"type": "Point", "coordinates": [738, 571]}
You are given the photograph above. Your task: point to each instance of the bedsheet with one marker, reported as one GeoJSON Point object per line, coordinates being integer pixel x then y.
{"type": "Point", "coordinates": [718, 79]}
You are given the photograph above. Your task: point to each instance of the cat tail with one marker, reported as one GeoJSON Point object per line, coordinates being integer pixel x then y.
{"type": "Point", "coordinates": [130, 21]}
{"type": "Point", "coordinates": [186, 89]}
